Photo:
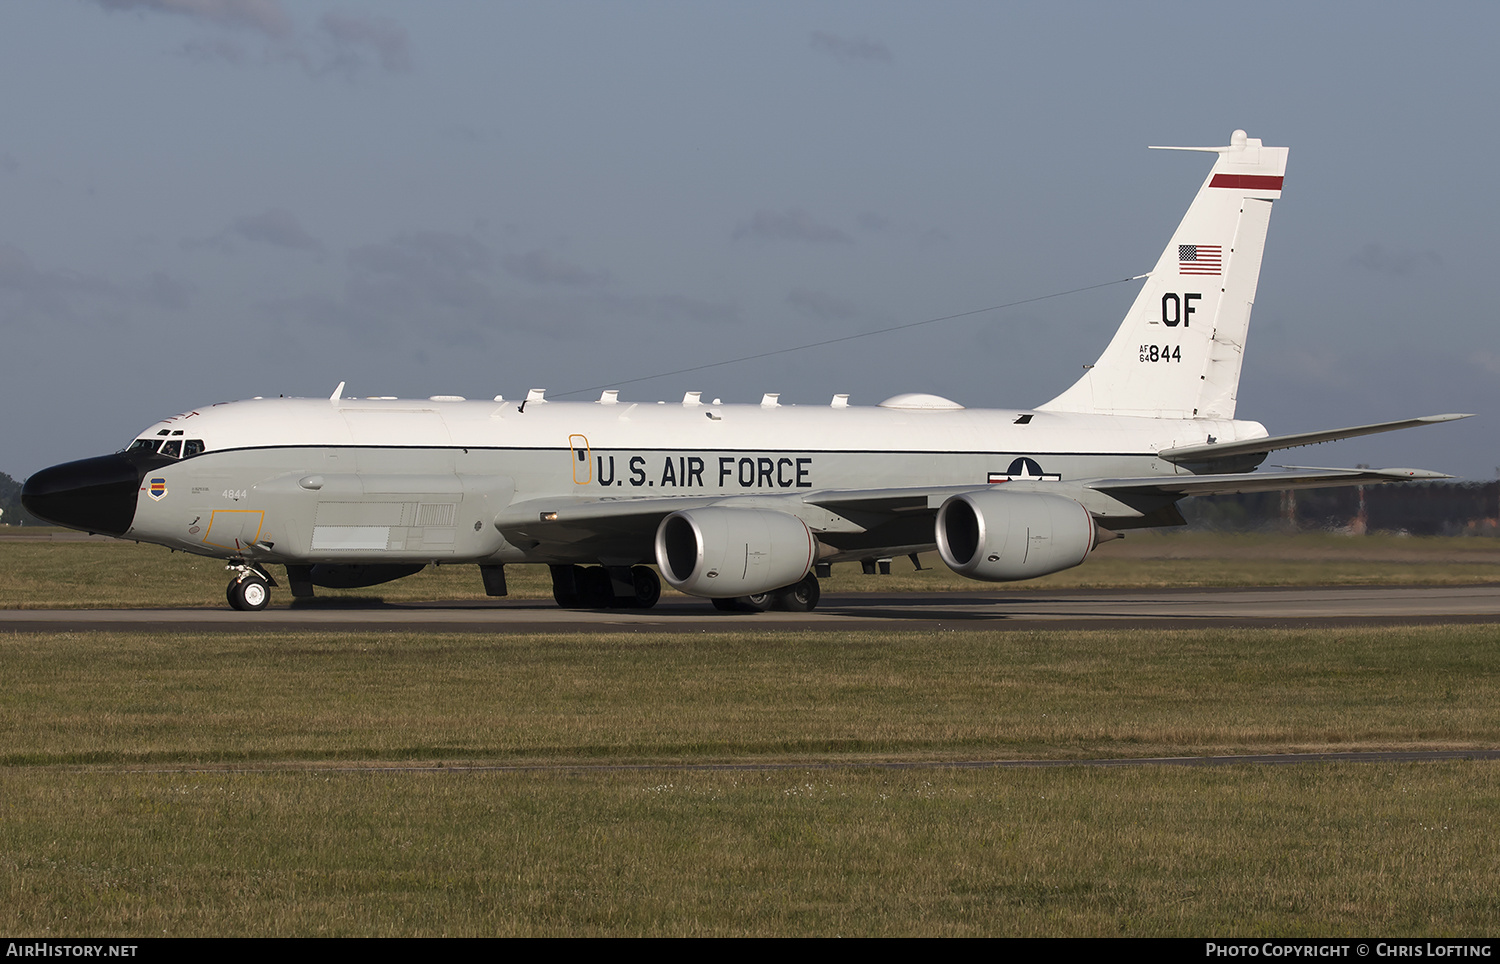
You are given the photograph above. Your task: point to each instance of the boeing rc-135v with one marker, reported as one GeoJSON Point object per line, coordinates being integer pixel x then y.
{"type": "Point", "coordinates": [735, 503]}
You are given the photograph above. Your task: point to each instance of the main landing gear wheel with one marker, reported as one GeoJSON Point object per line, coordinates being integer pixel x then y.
{"type": "Point", "coordinates": [590, 587]}
{"type": "Point", "coordinates": [759, 602]}
{"type": "Point", "coordinates": [594, 588]}
{"type": "Point", "coordinates": [801, 597]}
{"type": "Point", "coordinates": [565, 585]}
{"type": "Point", "coordinates": [248, 593]}
{"type": "Point", "coordinates": [647, 587]}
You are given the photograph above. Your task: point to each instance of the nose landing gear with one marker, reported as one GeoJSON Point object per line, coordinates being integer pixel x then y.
{"type": "Point", "coordinates": [249, 590]}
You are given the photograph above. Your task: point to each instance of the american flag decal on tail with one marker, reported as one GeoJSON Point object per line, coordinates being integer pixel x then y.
{"type": "Point", "coordinates": [1200, 259]}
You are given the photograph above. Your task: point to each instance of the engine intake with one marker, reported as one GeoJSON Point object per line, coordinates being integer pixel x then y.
{"type": "Point", "coordinates": [725, 552]}
{"type": "Point", "coordinates": [1004, 536]}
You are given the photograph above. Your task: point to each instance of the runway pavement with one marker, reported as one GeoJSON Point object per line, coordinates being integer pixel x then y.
{"type": "Point", "coordinates": [844, 612]}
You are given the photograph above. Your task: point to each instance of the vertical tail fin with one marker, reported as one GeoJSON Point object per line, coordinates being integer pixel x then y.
{"type": "Point", "coordinates": [1178, 352]}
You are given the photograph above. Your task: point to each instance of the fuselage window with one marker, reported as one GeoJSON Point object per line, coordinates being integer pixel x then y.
{"type": "Point", "coordinates": [143, 445]}
{"type": "Point", "coordinates": [192, 447]}
{"type": "Point", "coordinates": [172, 448]}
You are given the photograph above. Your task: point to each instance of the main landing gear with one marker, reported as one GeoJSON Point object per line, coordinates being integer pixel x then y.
{"type": "Point", "coordinates": [800, 597]}
{"type": "Point", "coordinates": [250, 589]}
{"type": "Point", "coordinates": [605, 587]}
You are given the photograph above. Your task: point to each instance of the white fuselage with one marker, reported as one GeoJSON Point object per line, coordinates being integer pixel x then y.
{"type": "Point", "coordinates": [390, 480]}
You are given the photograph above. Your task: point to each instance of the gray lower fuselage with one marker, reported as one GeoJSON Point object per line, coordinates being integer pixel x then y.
{"type": "Point", "coordinates": [345, 500]}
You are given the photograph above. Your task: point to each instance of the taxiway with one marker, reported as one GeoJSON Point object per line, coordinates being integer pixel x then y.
{"type": "Point", "coordinates": [842, 612]}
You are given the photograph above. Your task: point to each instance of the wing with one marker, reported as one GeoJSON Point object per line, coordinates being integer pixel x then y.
{"type": "Point", "coordinates": [849, 523]}
{"type": "Point", "coordinates": [879, 522]}
{"type": "Point", "coordinates": [1121, 503]}
{"type": "Point", "coordinates": [566, 528]}
{"type": "Point", "coordinates": [1289, 477]}
{"type": "Point", "coordinates": [1275, 443]}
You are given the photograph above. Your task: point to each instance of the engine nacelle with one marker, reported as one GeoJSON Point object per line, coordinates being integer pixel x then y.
{"type": "Point", "coordinates": [1002, 536]}
{"type": "Point", "coordinates": [725, 552]}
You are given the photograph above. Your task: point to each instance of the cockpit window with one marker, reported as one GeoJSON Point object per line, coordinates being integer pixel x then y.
{"type": "Point", "coordinates": [172, 448]}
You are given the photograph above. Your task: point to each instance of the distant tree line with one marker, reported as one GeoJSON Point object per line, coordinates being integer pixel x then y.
{"type": "Point", "coordinates": [1420, 508]}
{"type": "Point", "coordinates": [10, 504]}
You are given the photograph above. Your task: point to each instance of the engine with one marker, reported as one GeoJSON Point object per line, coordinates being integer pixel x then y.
{"type": "Point", "coordinates": [1002, 536]}
{"type": "Point", "coordinates": [726, 552]}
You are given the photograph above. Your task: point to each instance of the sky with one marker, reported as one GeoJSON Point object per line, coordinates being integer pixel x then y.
{"type": "Point", "coordinates": [206, 200]}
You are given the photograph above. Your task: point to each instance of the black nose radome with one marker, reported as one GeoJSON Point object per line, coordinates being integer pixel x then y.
{"type": "Point", "coordinates": [96, 495]}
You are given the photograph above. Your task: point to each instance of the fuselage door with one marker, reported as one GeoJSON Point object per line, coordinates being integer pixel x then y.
{"type": "Point", "coordinates": [583, 467]}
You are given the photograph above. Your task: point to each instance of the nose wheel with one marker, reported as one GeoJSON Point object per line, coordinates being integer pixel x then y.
{"type": "Point", "coordinates": [249, 590]}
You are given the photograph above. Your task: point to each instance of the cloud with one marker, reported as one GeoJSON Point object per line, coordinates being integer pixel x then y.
{"type": "Point", "coordinates": [872, 222]}
{"type": "Point", "coordinates": [1400, 263]}
{"type": "Point", "coordinates": [683, 308]}
{"type": "Point", "coordinates": [415, 273]}
{"type": "Point", "coordinates": [420, 288]}
{"type": "Point", "coordinates": [422, 253]}
{"type": "Point", "coordinates": [33, 295]}
{"type": "Point", "coordinates": [673, 308]}
{"type": "Point", "coordinates": [544, 268]}
{"type": "Point", "coordinates": [165, 292]}
{"type": "Point", "coordinates": [793, 225]}
{"type": "Point", "coordinates": [851, 49]}
{"type": "Point", "coordinates": [215, 48]}
{"type": "Point", "coordinates": [1486, 361]}
{"type": "Point", "coordinates": [471, 135]}
{"type": "Point", "coordinates": [352, 35]}
{"type": "Point", "coordinates": [823, 306]}
{"type": "Point", "coordinates": [436, 287]}
{"type": "Point", "coordinates": [341, 43]}
{"type": "Point", "coordinates": [260, 16]}
{"type": "Point", "coordinates": [276, 226]}
{"type": "Point", "coordinates": [30, 294]}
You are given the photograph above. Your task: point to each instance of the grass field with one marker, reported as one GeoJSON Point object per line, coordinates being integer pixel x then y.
{"type": "Point", "coordinates": [113, 574]}
{"type": "Point", "coordinates": [307, 784]}
{"type": "Point", "coordinates": [1242, 851]}
{"type": "Point", "coordinates": [128, 698]}
{"type": "Point", "coordinates": [271, 784]}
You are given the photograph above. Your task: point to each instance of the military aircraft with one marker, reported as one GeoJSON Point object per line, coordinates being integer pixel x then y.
{"type": "Point", "coordinates": [742, 504]}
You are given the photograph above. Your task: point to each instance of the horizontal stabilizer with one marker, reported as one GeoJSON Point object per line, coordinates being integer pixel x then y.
{"type": "Point", "coordinates": [1197, 453]}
